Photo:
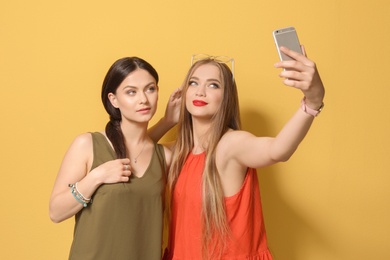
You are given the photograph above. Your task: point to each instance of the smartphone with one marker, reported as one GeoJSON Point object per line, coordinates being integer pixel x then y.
{"type": "Point", "coordinates": [286, 37]}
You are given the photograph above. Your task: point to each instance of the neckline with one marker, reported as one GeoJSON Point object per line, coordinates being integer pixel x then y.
{"type": "Point", "coordinates": [197, 154]}
{"type": "Point", "coordinates": [132, 176]}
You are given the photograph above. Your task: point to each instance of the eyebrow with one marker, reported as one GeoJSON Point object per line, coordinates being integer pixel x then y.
{"type": "Point", "coordinates": [147, 85]}
{"type": "Point", "coordinates": [208, 80]}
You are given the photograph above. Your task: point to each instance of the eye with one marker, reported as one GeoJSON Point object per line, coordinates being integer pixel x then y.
{"type": "Point", "coordinates": [151, 89]}
{"type": "Point", "coordinates": [131, 92]}
{"type": "Point", "coordinates": [214, 85]}
{"type": "Point", "coordinates": [192, 83]}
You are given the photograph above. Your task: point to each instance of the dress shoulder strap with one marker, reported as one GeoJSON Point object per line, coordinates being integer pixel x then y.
{"type": "Point", "coordinates": [102, 150]}
{"type": "Point", "coordinates": [161, 155]}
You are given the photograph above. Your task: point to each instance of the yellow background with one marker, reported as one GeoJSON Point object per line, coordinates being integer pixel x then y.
{"type": "Point", "coordinates": [330, 201]}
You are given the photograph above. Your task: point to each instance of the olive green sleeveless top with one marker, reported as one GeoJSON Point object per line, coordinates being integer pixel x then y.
{"type": "Point", "coordinates": [124, 220]}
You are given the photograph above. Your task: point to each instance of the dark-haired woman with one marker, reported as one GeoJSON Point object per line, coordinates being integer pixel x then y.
{"type": "Point", "coordinates": [113, 181]}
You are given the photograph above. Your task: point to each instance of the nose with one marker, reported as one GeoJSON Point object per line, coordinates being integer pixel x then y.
{"type": "Point", "coordinates": [143, 98]}
{"type": "Point", "coordinates": [201, 91]}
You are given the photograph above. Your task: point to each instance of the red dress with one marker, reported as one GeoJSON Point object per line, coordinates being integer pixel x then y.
{"type": "Point", "coordinates": [243, 211]}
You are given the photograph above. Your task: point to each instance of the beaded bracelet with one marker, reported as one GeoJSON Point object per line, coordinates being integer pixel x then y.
{"type": "Point", "coordinates": [78, 196]}
{"type": "Point", "coordinates": [82, 196]}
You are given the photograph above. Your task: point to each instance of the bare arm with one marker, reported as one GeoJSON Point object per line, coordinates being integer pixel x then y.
{"type": "Point", "coordinates": [170, 119]}
{"type": "Point", "coordinates": [74, 168]}
{"type": "Point", "coordinates": [256, 152]}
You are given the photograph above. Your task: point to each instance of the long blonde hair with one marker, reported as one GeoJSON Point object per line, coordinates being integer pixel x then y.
{"type": "Point", "coordinates": [215, 227]}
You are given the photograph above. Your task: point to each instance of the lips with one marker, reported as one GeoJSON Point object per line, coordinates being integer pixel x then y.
{"type": "Point", "coordinates": [144, 110]}
{"type": "Point", "coordinates": [199, 103]}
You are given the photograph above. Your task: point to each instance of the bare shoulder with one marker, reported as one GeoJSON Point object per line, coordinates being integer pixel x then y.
{"type": "Point", "coordinates": [82, 147]}
{"type": "Point", "coordinates": [78, 158]}
{"type": "Point", "coordinates": [240, 146]}
{"type": "Point", "coordinates": [232, 138]}
{"type": "Point", "coordinates": [168, 155]}
{"type": "Point", "coordinates": [230, 143]}
{"type": "Point", "coordinates": [169, 145]}
{"type": "Point", "coordinates": [83, 140]}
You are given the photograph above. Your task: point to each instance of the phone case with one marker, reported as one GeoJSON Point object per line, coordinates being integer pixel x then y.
{"type": "Point", "coordinates": [286, 37]}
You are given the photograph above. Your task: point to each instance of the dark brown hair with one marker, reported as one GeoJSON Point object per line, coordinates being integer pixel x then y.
{"type": "Point", "coordinates": [114, 77]}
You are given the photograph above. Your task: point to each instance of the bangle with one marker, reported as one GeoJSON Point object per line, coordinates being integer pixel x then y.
{"type": "Point", "coordinates": [309, 110]}
{"type": "Point", "coordinates": [78, 196]}
{"type": "Point", "coordinates": [75, 185]}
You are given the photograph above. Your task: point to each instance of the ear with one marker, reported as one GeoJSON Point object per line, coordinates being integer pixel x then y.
{"type": "Point", "coordinates": [113, 100]}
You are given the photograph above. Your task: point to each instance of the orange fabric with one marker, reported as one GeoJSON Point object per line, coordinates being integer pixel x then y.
{"type": "Point", "coordinates": [243, 211]}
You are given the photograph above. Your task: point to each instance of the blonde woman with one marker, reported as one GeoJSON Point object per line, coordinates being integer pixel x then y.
{"type": "Point", "coordinates": [215, 201]}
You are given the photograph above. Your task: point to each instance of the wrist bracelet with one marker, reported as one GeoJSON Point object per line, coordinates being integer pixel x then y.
{"type": "Point", "coordinates": [78, 196]}
{"type": "Point", "coordinates": [84, 198]}
{"type": "Point", "coordinates": [309, 110]}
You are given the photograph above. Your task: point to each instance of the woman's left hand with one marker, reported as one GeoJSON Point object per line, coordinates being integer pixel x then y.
{"type": "Point", "coordinates": [302, 73]}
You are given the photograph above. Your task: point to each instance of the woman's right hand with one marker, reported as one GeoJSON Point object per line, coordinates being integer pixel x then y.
{"type": "Point", "coordinates": [114, 171]}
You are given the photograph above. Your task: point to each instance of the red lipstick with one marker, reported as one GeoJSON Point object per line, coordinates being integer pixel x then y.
{"type": "Point", "coordinates": [199, 103]}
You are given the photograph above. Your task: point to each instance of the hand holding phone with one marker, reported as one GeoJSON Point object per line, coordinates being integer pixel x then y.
{"type": "Point", "coordinates": [286, 37]}
{"type": "Point", "coordinates": [311, 85]}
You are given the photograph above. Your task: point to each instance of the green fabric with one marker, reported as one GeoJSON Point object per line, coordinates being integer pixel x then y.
{"type": "Point", "coordinates": [125, 220]}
